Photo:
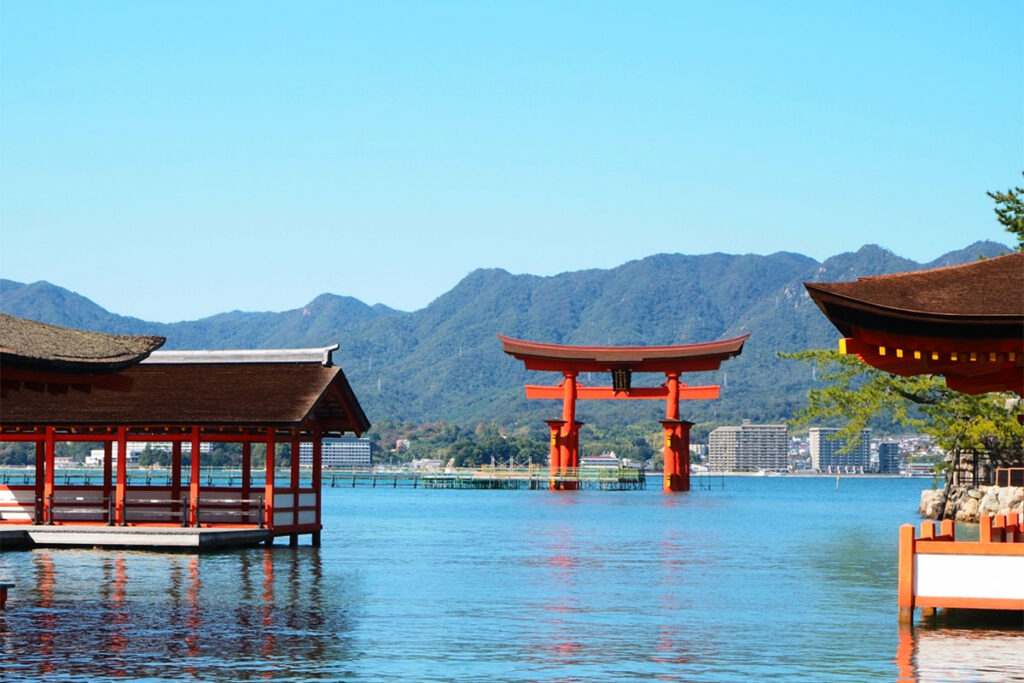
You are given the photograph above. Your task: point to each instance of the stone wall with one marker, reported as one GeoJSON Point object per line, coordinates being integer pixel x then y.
{"type": "Point", "coordinates": [967, 503]}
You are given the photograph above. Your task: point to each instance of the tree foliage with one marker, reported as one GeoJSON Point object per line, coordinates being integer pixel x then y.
{"type": "Point", "coordinates": [854, 392]}
{"type": "Point", "coordinates": [1010, 212]}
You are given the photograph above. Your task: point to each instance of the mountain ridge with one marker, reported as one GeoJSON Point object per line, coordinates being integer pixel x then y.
{"type": "Point", "coordinates": [443, 361]}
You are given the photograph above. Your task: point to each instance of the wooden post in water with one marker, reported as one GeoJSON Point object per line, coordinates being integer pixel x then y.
{"type": "Point", "coordinates": [905, 585]}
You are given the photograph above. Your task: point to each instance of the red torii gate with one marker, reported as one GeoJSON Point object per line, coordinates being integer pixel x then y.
{"type": "Point", "coordinates": [621, 362]}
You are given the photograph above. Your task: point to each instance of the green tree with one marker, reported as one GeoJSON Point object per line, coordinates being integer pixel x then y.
{"type": "Point", "coordinates": [855, 392]}
{"type": "Point", "coordinates": [1010, 212]}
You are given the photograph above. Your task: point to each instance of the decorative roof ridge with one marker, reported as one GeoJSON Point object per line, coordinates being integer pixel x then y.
{"type": "Point", "coordinates": [322, 355]}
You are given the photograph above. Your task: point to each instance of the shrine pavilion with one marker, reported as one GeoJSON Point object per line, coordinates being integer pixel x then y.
{"type": "Point", "coordinates": [965, 323]}
{"type": "Point", "coordinates": [64, 385]}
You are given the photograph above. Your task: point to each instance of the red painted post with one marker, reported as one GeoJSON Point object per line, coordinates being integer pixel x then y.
{"type": "Point", "coordinates": [570, 445]}
{"type": "Point", "coordinates": [948, 528]}
{"type": "Point", "coordinates": [121, 491]}
{"type": "Point", "coordinates": [670, 455]}
{"type": "Point", "coordinates": [683, 453]}
{"type": "Point", "coordinates": [905, 586]}
{"type": "Point", "coordinates": [554, 457]}
{"type": "Point", "coordinates": [108, 477]}
{"type": "Point", "coordinates": [268, 489]}
{"type": "Point", "coordinates": [38, 512]}
{"type": "Point", "coordinates": [194, 476]}
{"type": "Point", "coordinates": [672, 400]}
{"type": "Point", "coordinates": [294, 482]}
{"type": "Point", "coordinates": [176, 482]}
{"type": "Point", "coordinates": [317, 481]}
{"type": "Point", "coordinates": [48, 485]}
{"type": "Point", "coordinates": [985, 529]}
{"type": "Point", "coordinates": [246, 478]}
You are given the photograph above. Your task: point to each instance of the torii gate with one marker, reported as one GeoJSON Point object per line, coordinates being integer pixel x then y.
{"type": "Point", "coordinates": [621, 362]}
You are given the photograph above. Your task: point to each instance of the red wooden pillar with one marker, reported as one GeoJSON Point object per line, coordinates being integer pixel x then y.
{"type": "Point", "coordinates": [294, 483]}
{"type": "Point", "coordinates": [555, 457]}
{"type": "Point", "coordinates": [176, 506]}
{"type": "Point", "coordinates": [570, 444]}
{"type": "Point", "coordinates": [671, 457]}
{"type": "Point", "coordinates": [246, 479]}
{"type": "Point", "coordinates": [39, 510]}
{"type": "Point", "coordinates": [268, 488]}
{"type": "Point", "coordinates": [108, 480]}
{"type": "Point", "coordinates": [121, 492]}
{"type": "Point", "coordinates": [683, 453]}
{"type": "Point", "coordinates": [193, 482]}
{"type": "Point", "coordinates": [316, 481]}
{"type": "Point", "coordinates": [48, 477]}
{"type": "Point", "coordinates": [672, 468]}
{"type": "Point", "coordinates": [905, 584]}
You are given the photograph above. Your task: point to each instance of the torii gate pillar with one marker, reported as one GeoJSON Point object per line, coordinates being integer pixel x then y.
{"type": "Point", "coordinates": [677, 455]}
{"type": "Point", "coordinates": [677, 439]}
{"type": "Point", "coordinates": [555, 455]}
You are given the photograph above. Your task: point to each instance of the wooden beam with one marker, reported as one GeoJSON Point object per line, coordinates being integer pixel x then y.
{"type": "Point", "coordinates": [636, 393]}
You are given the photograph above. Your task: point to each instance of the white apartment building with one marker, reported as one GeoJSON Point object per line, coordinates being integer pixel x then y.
{"type": "Point", "coordinates": [95, 457]}
{"type": "Point", "coordinates": [825, 455]}
{"type": "Point", "coordinates": [346, 451]}
{"type": "Point", "coordinates": [748, 447]}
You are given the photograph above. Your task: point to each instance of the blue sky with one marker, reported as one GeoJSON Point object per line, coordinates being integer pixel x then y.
{"type": "Point", "coordinates": [174, 160]}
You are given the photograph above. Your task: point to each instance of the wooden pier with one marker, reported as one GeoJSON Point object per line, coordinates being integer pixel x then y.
{"type": "Point", "coordinates": [532, 478]}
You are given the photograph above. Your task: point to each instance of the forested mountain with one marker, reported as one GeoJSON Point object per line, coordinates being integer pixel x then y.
{"type": "Point", "coordinates": [444, 362]}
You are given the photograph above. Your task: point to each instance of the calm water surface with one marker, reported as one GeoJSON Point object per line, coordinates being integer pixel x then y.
{"type": "Point", "coordinates": [770, 578]}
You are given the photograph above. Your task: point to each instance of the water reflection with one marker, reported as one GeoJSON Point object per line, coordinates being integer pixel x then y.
{"type": "Point", "coordinates": [958, 645]}
{"type": "Point", "coordinates": [257, 613]}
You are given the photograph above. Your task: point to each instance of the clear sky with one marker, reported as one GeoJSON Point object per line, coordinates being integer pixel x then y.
{"type": "Point", "coordinates": [171, 160]}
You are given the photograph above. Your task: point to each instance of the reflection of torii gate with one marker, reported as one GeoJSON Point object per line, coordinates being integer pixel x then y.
{"type": "Point", "coordinates": [621, 362]}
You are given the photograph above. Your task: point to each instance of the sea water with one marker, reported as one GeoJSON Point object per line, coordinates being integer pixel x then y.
{"type": "Point", "coordinates": [768, 578]}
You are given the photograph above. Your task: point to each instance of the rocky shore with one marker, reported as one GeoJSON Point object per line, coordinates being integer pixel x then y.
{"type": "Point", "coordinates": [968, 503]}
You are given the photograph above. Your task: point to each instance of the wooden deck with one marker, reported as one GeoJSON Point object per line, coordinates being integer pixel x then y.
{"type": "Point", "coordinates": [27, 536]}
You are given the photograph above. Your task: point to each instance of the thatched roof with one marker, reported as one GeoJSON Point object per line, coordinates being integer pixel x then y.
{"type": "Point", "coordinates": [27, 344]}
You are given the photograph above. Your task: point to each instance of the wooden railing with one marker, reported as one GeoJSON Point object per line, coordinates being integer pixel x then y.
{"type": "Point", "coordinates": [938, 571]}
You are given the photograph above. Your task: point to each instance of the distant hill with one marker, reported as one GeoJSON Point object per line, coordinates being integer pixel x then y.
{"type": "Point", "coordinates": [443, 362]}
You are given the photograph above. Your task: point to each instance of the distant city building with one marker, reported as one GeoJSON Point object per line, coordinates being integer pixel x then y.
{"type": "Point", "coordinates": [347, 451]}
{"type": "Point", "coordinates": [888, 457]}
{"type": "Point", "coordinates": [605, 461]}
{"type": "Point", "coordinates": [135, 448]}
{"type": "Point", "coordinates": [825, 455]}
{"type": "Point", "coordinates": [748, 447]}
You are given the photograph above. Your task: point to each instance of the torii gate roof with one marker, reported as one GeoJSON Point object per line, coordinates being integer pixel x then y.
{"type": "Point", "coordinates": [679, 358]}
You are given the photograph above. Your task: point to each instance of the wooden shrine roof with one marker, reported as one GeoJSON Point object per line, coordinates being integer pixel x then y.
{"type": "Point", "coordinates": [963, 322]}
{"type": "Point", "coordinates": [254, 390]}
{"type": "Point", "coordinates": [682, 358]}
{"type": "Point", "coordinates": [983, 299]}
{"type": "Point", "coordinates": [27, 344]}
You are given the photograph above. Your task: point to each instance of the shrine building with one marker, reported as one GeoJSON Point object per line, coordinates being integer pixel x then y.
{"type": "Point", "coordinates": [64, 385]}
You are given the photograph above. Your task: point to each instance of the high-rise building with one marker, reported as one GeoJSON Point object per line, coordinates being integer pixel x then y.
{"type": "Point", "coordinates": [888, 457]}
{"type": "Point", "coordinates": [748, 447]}
{"type": "Point", "coordinates": [347, 451]}
{"type": "Point", "coordinates": [825, 455]}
